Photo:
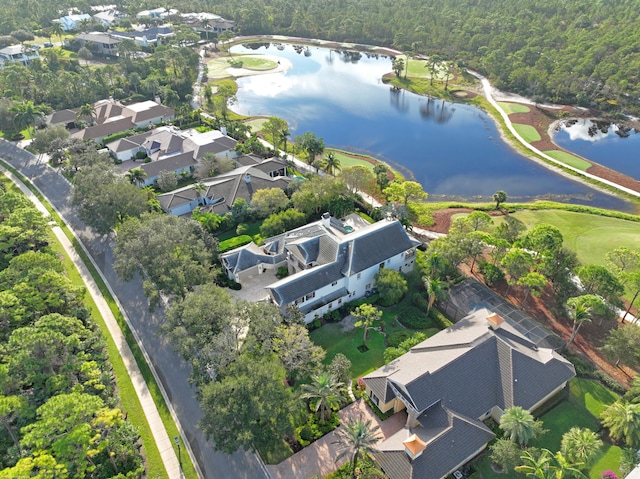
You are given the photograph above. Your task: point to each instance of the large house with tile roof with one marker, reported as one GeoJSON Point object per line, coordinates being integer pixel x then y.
{"type": "Point", "coordinates": [329, 262]}
{"type": "Point", "coordinates": [219, 193]}
{"type": "Point", "coordinates": [453, 381]}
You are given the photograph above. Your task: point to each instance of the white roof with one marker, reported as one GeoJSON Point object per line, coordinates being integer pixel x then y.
{"type": "Point", "coordinates": [142, 106]}
{"type": "Point", "coordinates": [11, 50]}
{"type": "Point", "coordinates": [202, 16]}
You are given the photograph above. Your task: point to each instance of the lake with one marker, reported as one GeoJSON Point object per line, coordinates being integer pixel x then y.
{"type": "Point", "coordinates": [610, 144]}
{"type": "Point", "coordinates": [453, 150]}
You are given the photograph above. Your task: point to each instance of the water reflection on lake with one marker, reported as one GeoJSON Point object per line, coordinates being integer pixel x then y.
{"type": "Point", "coordinates": [613, 145]}
{"type": "Point", "coordinates": [453, 150]}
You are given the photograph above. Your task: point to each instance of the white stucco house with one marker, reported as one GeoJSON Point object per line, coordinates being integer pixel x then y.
{"type": "Point", "coordinates": [19, 54]}
{"type": "Point", "coordinates": [73, 21]}
{"type": "Point", "coordinates": [329, 262]}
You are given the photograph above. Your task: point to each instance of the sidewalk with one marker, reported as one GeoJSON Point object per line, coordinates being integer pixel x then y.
{"type": "Point", "coordinates": [164, 443]}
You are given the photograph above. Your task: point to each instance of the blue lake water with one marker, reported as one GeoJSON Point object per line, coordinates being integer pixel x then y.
{"type": "Point", "coordinates": [453, 150]}
{"type": "Point", "coordinates": [609, 144]}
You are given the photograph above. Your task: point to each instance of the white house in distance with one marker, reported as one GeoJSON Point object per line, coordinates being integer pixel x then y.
{"type": "Point", "coordinates": [18, 53]}
{"type": "Point", "coordinates": [101, 43]}
{"type": "Point", "coordinates": [160, 13]}
{"type": "Point", "coordinates": [73, 21]}
{"type": "Point", "coordinates": [329, 261]}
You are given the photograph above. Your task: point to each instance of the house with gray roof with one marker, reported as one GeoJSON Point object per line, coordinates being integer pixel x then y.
{"type": "Point", "coordinates": [329, 262]}
{"type": "Point", "coordinates": [22, 54]}
{"type": "Point", "coordinates": [453, 381]}
{"type": "Point", "coordinates": [219, 193]}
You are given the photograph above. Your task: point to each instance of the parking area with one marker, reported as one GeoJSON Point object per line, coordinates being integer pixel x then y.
{"type": "Point", "coordinates": [253, 287]}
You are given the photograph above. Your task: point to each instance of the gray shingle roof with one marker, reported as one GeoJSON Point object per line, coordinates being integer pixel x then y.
{"type": "Point", "coordinates": [172, 163]}
{"type": "Point", "coordinates": [469, 368]}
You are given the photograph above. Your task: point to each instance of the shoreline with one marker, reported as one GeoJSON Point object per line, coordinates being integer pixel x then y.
{"type": "Point", "coordinates": [595, 181]}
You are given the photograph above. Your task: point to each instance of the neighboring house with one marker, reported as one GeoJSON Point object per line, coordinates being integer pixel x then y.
{"type": "Point", "coordinates": [72, 22]}
{"type": "Point", "coordinates": [111, 117]}
{"type": "Point", "coordinates": [100, 43]}
{"type": "Point", "coordinates": [145, 38]}
{"type": "Point", "coordinates": [156, 13]}
{"type": "Point", "coordinates": [329, 262]}
{"type": "Point", "coordinates": [181, 163]}
{"type": "Point", "coordinates": [168, 140]}
{"type": "Point", "coordinates": [449, 383]}
{"type": "Point", "coordinates": [219, 193]}
{"type": "Point", "coordinates": [207, 22]}
{"type": "Point", "coordinates": [109, 17]}
{"type": "Point", "coordinates": [18, 53]}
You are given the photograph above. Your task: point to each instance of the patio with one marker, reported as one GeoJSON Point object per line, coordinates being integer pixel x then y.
{"type": "Point", "coordinates": [318, 459]}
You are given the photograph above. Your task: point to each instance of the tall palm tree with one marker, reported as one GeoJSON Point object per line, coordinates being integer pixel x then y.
{"type": "Point", "coordinates": [285, 134]}
{"type": "Point", "coordinates": [331, 163]}
{"type": "Point", "coordinates": [356, 438]}
{"type": "Point", "coordinates": [56, 29]}
{"type": "Point", "coordinates": [518, 424]}
{"type": "Point", "coordinates": [580, 445]}
{"type": "Point", "coordinates": [136, 176]}
{"type": "Point", "coordinates": [86, 111]}
{"type": "Point", "coordinates": [324, 394]}
{"type": "Point", "coordinates": [27, 115]}
{"type": "Point", "coordinates": [435, 290]}
{"type": "Point", "coordinates": [564, 468]}
{"type": "Point", "coordinates": [580, 313]}
{"type": "Point", "coordinates": [623, 420]}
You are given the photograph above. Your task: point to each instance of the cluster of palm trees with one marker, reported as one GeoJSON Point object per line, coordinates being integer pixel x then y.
{"type": "Point", "coordinates": [356, 438]}
{"type": "Point", "coordinates": [579, 448]}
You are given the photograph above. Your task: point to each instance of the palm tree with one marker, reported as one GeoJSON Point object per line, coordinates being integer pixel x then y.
{"type": "Point", "coordinates": [356, 438]}
{"type": "Point", "coordinates": [285, 134]}
{"type": "Point", "coordinates": [56, 29]}
{"type": "Point", "coordinates": [435, 290]}
{"type": "Point", "coordinates": [623, 420]}
{"type": "Point", "coordinates": [331, 163]}
{"type": "Point", "coordinates": [580, 445]}
{"type": "Point", "coordinates": [563, 467]}
{"type": "Point", "coordinates": [518, 424]}
{"type": "Point", "coordinates": [27, 115]}
{"type": "Point", "coordinates": [324, 394]}
{"type": "Point", "coordinates": [136, 176]}
{"type": "Point", "coordinates": [86, 111]}
{"type": "Point", "coordinates": [580, 313]}
{"type": "Point", "coordinates": [536, 465]}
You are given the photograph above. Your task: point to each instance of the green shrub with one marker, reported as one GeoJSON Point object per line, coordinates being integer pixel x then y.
{"type": "Point", "coordinates": [282, 272]}
{"type": "Point", "coordinates": [394, 339]}
{"type": "Point", "coordinates": [235, 286]}
{"type": "Point", "coordinates": [438, 319]}
{"type": "Point", "coordinates": [234, 242]}
{"type": "Point", "coordinates": [242, 229]}
{"type": "Point", "coordinates": [419, 301]}
{"type": "Point", "coordinates": [492, 274]}
{"type": "Point", "coordinates": [413, 318]}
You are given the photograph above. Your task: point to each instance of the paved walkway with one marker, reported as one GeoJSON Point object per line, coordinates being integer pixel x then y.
{"type": "Point", "coordinates": [318, 459]}
{"type": "Point", "coordinates": [164, 443]}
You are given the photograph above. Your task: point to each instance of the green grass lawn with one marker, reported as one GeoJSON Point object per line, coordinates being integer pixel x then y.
{"type": "Point", "coordinates": [254, 229]}
{"type": "Point", "coordinates": [591, 395]}
{"type": "Point", "coordinates": [559, 420]}
{"type": "Point", "coordinates": [258, 63]}
{"type": "Point", "coordinates": [510, 108]}
{"type": "Point", "coordinates": [256, 124]}
{"type": "Point", "coordinates": [348, 160]}
{"type": "Point", "coordinates": [527, 132]}
{"type": "Point", "coordinates": [334, 341]}
{"type": "Point", "coordinates": [590, 236]}
{"type": "Point", "coordinates": [609, 459]}
{"type": "Point", "coordinates": [569, 159]}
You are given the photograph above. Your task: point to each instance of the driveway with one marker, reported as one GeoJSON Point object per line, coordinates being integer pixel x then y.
{"type": "Point", "coordinates": [172, 369]}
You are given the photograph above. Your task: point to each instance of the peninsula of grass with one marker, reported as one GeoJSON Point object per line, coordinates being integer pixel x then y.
{"type": "Point", "coordinates": [260, 64]}
{"type": "Point", "coordinates": [510, 108]}
{"type": "Point", "coordinates": [127, 395]}
{"type": "Point", "coordinates": [527, 132]}
{"type": "Point", "coordinates": [569, 159]}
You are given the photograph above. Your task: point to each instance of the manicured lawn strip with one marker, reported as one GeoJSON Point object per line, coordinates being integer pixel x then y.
{"type": "Point", "coordinates": [128, 398]}
{"type": "Point", "coordinates": [254, 229]}
{"type": "Point", "coordinates": [348, 160]}
{"type": "Point", "coordinates": [591, 395]}
{"type": "Point", "coordinates": [609, 460]}
{"type": "Point", "coordinates": [590, 236]}
{"type": "Point", "coordinates": [334, 341]}
{"type": "Point", "coordinates": [510, 108]}
{"type": "Point", "coordinates": [258, 63]}
{"type": "Point", "coordinates": [256, 125]}
{"type": "Point", "coordinates": [559, 420]}
{"type": "Point", "coordinates": [527, 132]}
{"type": "Point", "coordinates": [172, 430]}
{"type": "Point", "coordinates": [569, 159]}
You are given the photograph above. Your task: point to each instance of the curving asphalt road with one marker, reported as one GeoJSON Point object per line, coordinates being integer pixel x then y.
{"type": "Point", "coordinates": [171, 368]}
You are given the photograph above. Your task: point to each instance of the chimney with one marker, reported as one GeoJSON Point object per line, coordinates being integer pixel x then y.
{"type": "Point", "coordinates": [223, 129]}
{"type": "Point", "coordinates": [247, 178]}
{"type": "Point", "coordinates": [414, 446]}
{"type": "Point", "coordinates": [326, 220]}
{"type": "Point", "coordinates": [495, 320]}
